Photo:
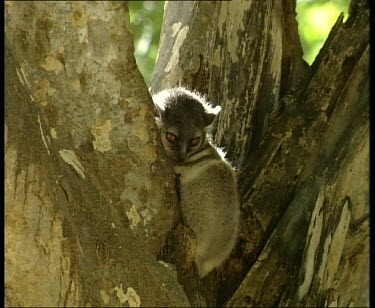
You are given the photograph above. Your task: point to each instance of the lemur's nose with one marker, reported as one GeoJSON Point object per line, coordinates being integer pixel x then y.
{"type": "Point", "coordinates": [181, 156]}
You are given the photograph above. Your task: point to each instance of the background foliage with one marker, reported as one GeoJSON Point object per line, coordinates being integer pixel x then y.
{"type": "Point", "coordinates": [315, 20]}
{"type": "Point", "coordinates": [146, 18]}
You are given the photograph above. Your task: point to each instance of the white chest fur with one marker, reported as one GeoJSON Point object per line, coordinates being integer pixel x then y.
{"type": "Point", "coordinates": [209, 205]}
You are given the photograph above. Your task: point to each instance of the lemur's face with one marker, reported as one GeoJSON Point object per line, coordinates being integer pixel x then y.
{"type": "Point", "coordinates": [183, 123]}
{"type": "Point", "coordinates": [181, 143]}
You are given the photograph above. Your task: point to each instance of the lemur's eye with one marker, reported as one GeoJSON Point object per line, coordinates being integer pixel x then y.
{"type": "Point", "coordinates": [171, 138]}
{"type": "Point", "coordinates": [194, 142]}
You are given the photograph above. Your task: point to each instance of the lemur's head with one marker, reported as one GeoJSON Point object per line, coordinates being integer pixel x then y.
{"type": "Point", "coordinates": [183, 118]}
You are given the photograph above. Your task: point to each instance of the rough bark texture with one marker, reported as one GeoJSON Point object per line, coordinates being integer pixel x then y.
{"type": "Point", "coordinates": [299, 137]}
{"type": "Point", "coordinates": [89, 198]}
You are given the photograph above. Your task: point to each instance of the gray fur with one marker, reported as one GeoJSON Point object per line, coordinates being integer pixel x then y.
{"type": "Point", "coordinates": [209, 201]}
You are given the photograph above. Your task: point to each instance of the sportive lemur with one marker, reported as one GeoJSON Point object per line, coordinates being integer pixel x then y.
{"type": "Point", "coordinates": [208, 187]}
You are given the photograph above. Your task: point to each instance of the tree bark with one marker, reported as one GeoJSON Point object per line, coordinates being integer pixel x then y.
{"type": "Point", "coordinates": [299, 137]}
{"type": "Point", "coordinates": [89, 196]}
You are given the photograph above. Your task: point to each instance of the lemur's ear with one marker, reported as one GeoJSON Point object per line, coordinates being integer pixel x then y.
{"type": "Point", "coordinates": [211, 115]}
{"type": "Point", "coordinates": [209, 118]}
{"type": "Point", "coordinates": [159, 113]}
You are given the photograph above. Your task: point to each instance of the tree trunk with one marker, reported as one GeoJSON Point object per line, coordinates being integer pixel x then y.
{"type": "Point", "coordinates": [89, 197]}
{"type": "Point", "coordinates": [299, 137]}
